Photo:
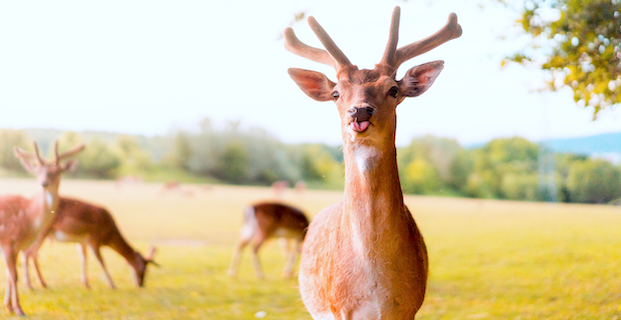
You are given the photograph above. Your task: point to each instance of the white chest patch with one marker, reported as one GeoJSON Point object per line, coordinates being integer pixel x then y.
{"type": "Point", "coordinates": [60, 236]}
{"type": "Point", "coordinates": [48, 198]}
{"type": "Point", "coordinates": [365, 157]}
{"type": "Point", "coordinates": [64, 237]}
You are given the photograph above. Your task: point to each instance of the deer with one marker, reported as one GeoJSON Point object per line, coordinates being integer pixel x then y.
{"type": "Point", "coordinates": [25, 222]}
{"type": "Point", "coordinates": [266, 220]}
{"type": "Point", "coordinates": [365, 257]}
{"type": "Point", "coordinates": [90, 226]}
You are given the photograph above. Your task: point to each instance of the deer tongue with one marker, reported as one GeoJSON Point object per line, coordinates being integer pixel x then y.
{"type": "Point", "coordinates": [360, 126]}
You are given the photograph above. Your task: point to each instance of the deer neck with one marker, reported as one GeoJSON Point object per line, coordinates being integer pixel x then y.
{"type": "Point", "coordinates": [373, 199]}
{"type": "Point", "coordinates": [44, 207]}
{"type": "Point", "coordinates": [123, 248]}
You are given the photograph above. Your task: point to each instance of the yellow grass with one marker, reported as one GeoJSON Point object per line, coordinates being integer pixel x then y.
{"type": "Point", "coordinates": [489, 259]}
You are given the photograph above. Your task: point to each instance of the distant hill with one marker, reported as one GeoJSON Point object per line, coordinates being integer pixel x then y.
{"type": "Point", "coordinates": [598, 144]}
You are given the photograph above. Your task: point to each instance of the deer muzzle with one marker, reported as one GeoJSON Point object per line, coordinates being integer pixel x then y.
{"type": "Point", "coordinates": [360, 118]}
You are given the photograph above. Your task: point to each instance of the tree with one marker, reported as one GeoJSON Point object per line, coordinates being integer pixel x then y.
{"type": "Point", "coordinates": [135, 158]}
{"type": "Point", "coordinates": [98, 161]}
{"type": "Point", "coordinates": [438, 153]}
{"type": "Point", "coordinates": [580, 42]}
{"type": "Point", "coordinates": [234, 162]}
{"type": "Point", "coordinates": [421, 177]}
{"type": "Point", "coordinates": [594, 181]}
{"type": "Point", "coordinates": [459, 170]}
{"type": "Point", "coordinates": [180, 155]}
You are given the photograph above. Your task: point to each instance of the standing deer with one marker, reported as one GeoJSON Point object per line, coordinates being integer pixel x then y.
{"type": "Point", "coordinates": [364, 257]}
{"type": "Point", "coordinates": [92, 226]}
{"type": "Point", "coordinates": [25, 222]}
{"type": "Point", "coordinates": [267, 220]}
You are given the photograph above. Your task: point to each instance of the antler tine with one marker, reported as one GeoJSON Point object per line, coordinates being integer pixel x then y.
{"type": "Point", "coordinates": [70, 153]}
{"type": "Point", "coordinates": [295, 46]}
{"type": "Point", "coordinates": [450, 31]}
{"type": "Point", "coordinates": [36, 148]}
{"type": "Point", "coordinates": [56, 151]}
{"type": "Point", "coordinates": [328, 43]}
{"type": "Point", "coordinates": [149, 257]}
{"type": "Point", "coordinates": [21, 153]}
{"type": "Point", "coordinates": [393, 38]}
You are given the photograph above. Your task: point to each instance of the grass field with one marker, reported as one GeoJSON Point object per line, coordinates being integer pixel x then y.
{"type": "Point", "coordinates": [488, 259]}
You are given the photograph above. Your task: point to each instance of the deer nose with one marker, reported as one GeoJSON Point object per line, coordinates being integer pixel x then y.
{"type": "Point", "coordinates": [361, 113]}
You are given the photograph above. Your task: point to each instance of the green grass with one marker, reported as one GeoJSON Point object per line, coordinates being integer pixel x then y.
{"type": "Point", "coordinates": [489, 259]}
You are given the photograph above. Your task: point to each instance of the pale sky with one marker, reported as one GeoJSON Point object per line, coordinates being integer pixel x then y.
{"type": "Point", "coordinates": [146, 67]}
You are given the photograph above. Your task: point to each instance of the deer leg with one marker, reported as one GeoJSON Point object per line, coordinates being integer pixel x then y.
{"type": "Point", "coordinates": [7, 293]}
{"type": "Point", "coordinates": [239, 248]}
{"type": "Point", "coordinates": [11, 299]}
{"type": "Point", "coordinates": [284, 245]}
{"type": "Point", "coordinates": [255, 256]}
{"type": "Point", "coordinates": [31, 255]}
{"type": "Point", "coordinates": [35, 261]}
{"type": "Point", "coordinates": [293, 258]}
{"type": "Point", "coordinates": [82, 253]}
{"type": "Point", "coordinates": [26, 266]}
{"type": "Point", "coordinates": [97, 254]}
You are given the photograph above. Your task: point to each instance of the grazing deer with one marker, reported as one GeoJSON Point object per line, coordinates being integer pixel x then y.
{"type": "Point", "coordinates": [364, 257]}
{"type": "Point", "coordinates": [279, 187]}
{"type": "Point", "coordinates": [25, 222]}
{"type": "Point", "coordinates": [267, 220]}
{"type": "Point", "coordinates": [170, 186]}
{"type": "Point", "coordinates": [92, 226]}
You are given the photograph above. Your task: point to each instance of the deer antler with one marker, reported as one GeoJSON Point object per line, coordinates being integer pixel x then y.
{"type": "Point", "coordinates": [395, 57]}
{"type": "Point", "coordinates": [67, 154]}
{"type": "Point", "coordinates": [149, 257]}
{"type": "Point", "coordinates": [333, 57]}
{"type": "Point", "coordinates": [21, 153]}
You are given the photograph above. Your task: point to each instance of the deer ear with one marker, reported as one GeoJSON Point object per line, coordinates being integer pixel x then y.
{"type": "Point", "coordinates": [315, 84]}
{"type": "Point", "coordinates": [418, 79]}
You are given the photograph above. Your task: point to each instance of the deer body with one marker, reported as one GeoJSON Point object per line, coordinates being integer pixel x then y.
{"type": "Point", "coordinates": [90, 226]}
{"type": "Point", "coordinates": [266, 220]}
{"type": "Point", "coordinates": [364, 257]}
{"type": "Point", "coordinates": [25, 222]}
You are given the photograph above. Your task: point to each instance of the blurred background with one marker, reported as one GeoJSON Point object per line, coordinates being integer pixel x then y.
{"type": "Point", "coordinates": [198, 92]}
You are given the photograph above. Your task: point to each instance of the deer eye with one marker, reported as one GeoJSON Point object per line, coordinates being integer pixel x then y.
{"type": "Point", "coordinates": [393, 92]}
{"type": "Point", "coordinates": [335, 95]}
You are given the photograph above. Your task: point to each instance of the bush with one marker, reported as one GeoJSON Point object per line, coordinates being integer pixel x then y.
{"type": "Point", "coordinates": [520, 187]}
{"type": "Point", "coordinates": [421, 177]}
{"type": "Point", "coordinates": [98, 161]}
{"type": "Point", "coordinates": [593, 181]}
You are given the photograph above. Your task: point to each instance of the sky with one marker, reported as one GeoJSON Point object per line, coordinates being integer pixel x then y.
{"type": "Point", "coordinates": [151, 67]}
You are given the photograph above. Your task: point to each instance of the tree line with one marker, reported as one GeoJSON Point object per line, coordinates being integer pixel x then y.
{"type": "Point", "coordinates": [506, 168]}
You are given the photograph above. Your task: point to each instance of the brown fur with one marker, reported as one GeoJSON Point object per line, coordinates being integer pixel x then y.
{"type": "Point", "coordinates": [266, 220]}
{"type": "Point", "coordinates": [364, 257]}
{"type": "Point", "coordinates": [25, 222]}
{"type": "Point", "coordinates": [91, 226]}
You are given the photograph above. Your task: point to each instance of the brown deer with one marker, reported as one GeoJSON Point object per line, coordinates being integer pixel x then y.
{"type": "Point", "coordinates": [25, 222]}
{"type": "Point", "coordinates": [92, 226]}
{"type": "Point", "coordinates": [364, 257]}
{"type": "Point", "coordinates": [266, 220]}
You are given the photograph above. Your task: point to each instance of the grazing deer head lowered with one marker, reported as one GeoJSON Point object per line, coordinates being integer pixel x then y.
{"type": "Point", "coordinates": [364, 257]}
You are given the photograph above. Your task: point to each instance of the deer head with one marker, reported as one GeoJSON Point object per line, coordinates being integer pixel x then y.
{"type": "Point", "coordinates": [47, 172]}
{"type": "Point", "coordinates": [367, 99]}
{"type": "Point", "coordinates": [140, 266]}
